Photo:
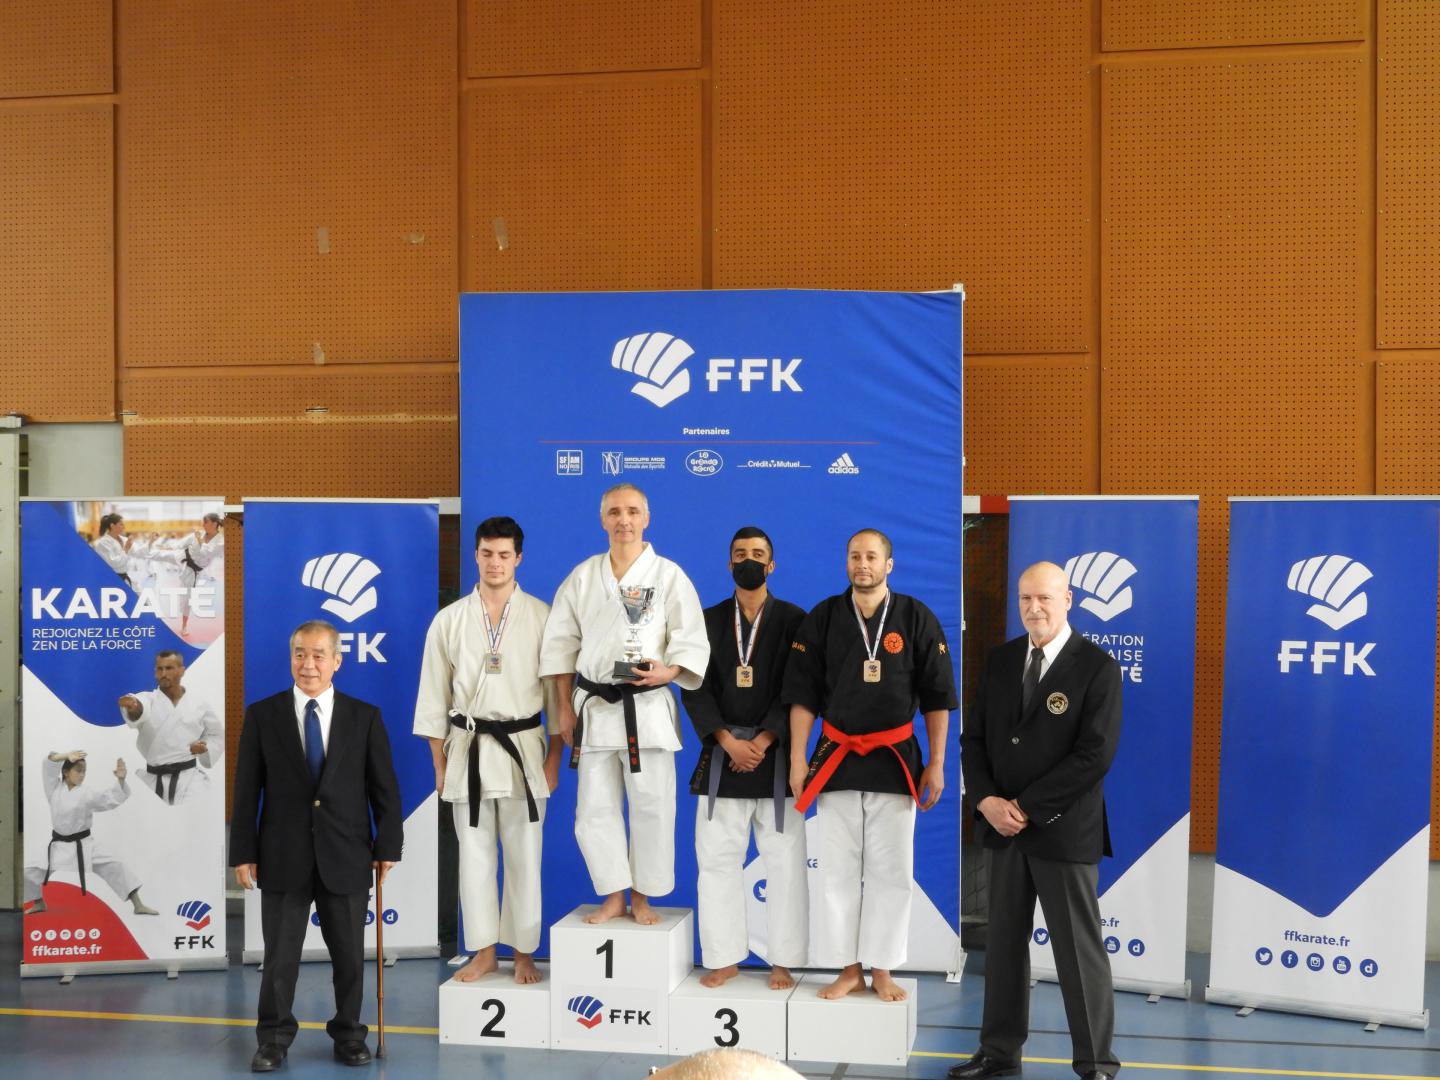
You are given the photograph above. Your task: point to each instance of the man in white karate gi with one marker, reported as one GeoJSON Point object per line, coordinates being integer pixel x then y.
{"type": "Point", "coordinates": [479, 705]}
{"type": "Point", "coordinates": [178, 734]}
{"type": "Point", "coordinates": [625, 624]}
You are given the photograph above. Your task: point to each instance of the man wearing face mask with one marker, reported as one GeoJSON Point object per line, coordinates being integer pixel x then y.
{"type": "Point", "coordinates": [742, 774]}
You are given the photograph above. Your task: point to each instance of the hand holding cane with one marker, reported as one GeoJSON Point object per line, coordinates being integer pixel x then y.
{"type": "Point", "coordinates": [380, 958]}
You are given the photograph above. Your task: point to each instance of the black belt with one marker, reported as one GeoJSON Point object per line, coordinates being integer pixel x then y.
{"type": "Point", "coordinates": [191, 562]}
{"type": "Point", "coordinates": [610, 693]}
{"type": "Point", "coordinates": [717, 763]}
{"type": "Point", "coordinates": [73, 838]}
{"type": "Point", "coordinates": [173, 771]}
{"type": "Point", "coordinates": [500, 730]}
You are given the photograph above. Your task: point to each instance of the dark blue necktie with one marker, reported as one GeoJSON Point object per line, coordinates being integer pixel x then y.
{"type": "Point", "coordinates": [314, 744]}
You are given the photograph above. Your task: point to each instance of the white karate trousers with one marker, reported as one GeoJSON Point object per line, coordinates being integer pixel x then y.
{"type": "Point", "coordinates": [867, 866]}
{"type": "Point", "coordinates": [97, 865]}
{"type": "Point", "coordinates": [513, 919]}
{"type": "Point", "coordinates": [647, 862]}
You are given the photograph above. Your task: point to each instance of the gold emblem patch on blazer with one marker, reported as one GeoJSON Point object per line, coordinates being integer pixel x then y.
{"type": "Point", "coordinates": [1057, 703]}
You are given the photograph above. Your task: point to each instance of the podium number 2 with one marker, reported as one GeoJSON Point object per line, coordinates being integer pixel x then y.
{"type": "Point", "coordinates": [491, 1030]}
{"type": "Point", "coordinates": [728, 1021]}
{"type": "Point", "coordinates": [608, 951]}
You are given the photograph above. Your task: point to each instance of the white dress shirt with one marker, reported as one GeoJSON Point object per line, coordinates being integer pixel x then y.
{"type": "Point", "coordinates": [1049, 652]}
{"type": "Point", "coordinates": [326, 701]}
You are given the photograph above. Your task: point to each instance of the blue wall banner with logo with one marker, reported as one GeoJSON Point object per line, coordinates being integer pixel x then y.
{"type": "Point", "coordinates": [122, 624]}
{"type": "Point", "coordinates": [810, 414]}
{"type": "Point", "coordinates": [372, 569]}
{"type": "Point", "coordinates": [1131, 563]}
{"type": "Point", "coordinates": [1323, 826]}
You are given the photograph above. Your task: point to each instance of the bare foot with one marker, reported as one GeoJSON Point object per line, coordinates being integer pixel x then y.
{"type": "Point", "coordinates": [525, 970]}
{"type": "Point", "coordinates": [482, 963]}
{"type": "Point", "coordinates": [849, 981]}
{"type": "Point", "coordinates": [885, 986]}
{"type": "Point", "coordinates": [612, 907]}
{"type": "Point", "coordinates": [780, 978]}
{"type": "Point", "coordinates": [640, 907]}
{"type": "Point", "coordinates": [719, 977]}
{"type": "Point", "coordinates": [35, 908]}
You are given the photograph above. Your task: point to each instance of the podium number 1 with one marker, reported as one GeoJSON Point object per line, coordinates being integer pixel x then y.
{"type": "Point", "coordinates": [608, 951]}
{"type": "Point", "coordinates": [728, 1021]}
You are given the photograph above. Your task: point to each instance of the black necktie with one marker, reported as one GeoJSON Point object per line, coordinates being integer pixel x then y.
{"type": "Point", "coordinates": [1032, 679]}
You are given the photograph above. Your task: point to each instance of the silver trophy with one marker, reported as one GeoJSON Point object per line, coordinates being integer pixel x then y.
{"type": "Point", "coordinates": [636, 602]}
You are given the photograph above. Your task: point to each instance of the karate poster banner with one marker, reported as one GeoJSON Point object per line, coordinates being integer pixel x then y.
{"type": "Point", "coordinates": [1329, 690]}
{"type": "Point", "coordinates": [371, 569]}
{"type": "Point", "coordinates": [810, 414]}
{"type": "Point", "coordinates": [139, 883]}
{"type": "Point", "coordinates": [1131, 563]}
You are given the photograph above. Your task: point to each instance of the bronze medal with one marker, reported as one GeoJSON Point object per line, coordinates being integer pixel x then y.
{"type": "Point", "coordinates": [744, 676]}
{"type": "Point", "coordinates": [492, 664]}
{"type": "Point", "coordinates": [872, 670]}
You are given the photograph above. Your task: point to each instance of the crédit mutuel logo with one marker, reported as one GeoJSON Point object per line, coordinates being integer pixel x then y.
{"type": "Point", "coordinates": [1333, 582]}
{"type": "Point", "coordinates": [1104, 579]}
{"type": "Point", "coordinates": [657, 360]}
{"type": "Point", "coordinates": [346, 579]}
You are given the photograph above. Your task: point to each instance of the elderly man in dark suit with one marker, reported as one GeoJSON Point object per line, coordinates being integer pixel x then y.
{"type": "Point", "coordinates": [313, 770]}
{"type": "Point", "coordinates": [1035, 749]}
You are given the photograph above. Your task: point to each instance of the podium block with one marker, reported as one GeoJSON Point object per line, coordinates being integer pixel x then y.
{"type": "Point", "coordinates": [859, 1028]}
{"type": "Point", "coordinates": [612, 983]}
{"type": "Point", "coordinates": [496, 1011]}
{"type": "Point", "coordinates": [744, 1012]}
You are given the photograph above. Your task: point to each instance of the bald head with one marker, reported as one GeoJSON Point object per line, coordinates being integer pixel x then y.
{"type": "Point", "coordinates": [1044, 601]}
{"type": "Point", "coordinates": [727, 1065]}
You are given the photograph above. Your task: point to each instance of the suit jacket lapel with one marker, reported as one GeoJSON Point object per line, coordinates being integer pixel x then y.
{"type": "Point", "coordinates": [340, 732]}
{"type": "Point", "coordinates": [1063, 661]}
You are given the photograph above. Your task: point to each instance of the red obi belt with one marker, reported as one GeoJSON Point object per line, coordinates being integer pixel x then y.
{"type": "Point", "coordinates": [855, 744]}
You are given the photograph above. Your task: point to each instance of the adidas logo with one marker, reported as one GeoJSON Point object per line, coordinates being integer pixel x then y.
{"type": "Point", "coordinates": [844, 466]}
{"type": "Point", "coordinates": [656, 360]}
{"type": "Point", "coordinates": [1333, 581]}
{"type": "Point", "coordinates": [345, 576]}
{"type": "Point", "coordinates": [1103, 575]}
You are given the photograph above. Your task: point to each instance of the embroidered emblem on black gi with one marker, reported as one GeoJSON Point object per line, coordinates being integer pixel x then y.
{"type": "Point", "coordinates": [894, 642]}
{"type": "Point", "coordinates": [1057, 703]}
{"type": "Point", "coordinates": [798, 646]}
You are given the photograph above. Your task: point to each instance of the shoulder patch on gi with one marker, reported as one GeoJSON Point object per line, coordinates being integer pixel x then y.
{"type": "Point", "coordinates": [1057, 703]}
{"type": "Point", "coordinates": [894, 642]}
{"type": "Point", "coordinates": [798, 646]}
{"type": "Point", "coordinates": [944, 648]}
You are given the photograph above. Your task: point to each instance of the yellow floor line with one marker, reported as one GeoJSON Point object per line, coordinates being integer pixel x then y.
{"type": "Point", "coordinates": [1234, 1069]}
{"type": "Point", "coordinates": [315, 1025]}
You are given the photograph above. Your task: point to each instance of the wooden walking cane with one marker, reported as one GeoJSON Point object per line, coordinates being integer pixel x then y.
{"type": "Point", "coordinates": [380, 961]}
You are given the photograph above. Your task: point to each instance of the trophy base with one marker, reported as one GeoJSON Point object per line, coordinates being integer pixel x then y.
{"type": "Point", "coordinates": [630, 670]}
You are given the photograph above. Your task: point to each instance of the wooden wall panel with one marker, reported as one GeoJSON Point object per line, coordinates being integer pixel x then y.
{"type": "Point", "coordinates": [1408, 180]}
{"type": "Point", "coordinates": [57, 280]}
{"type": "Point", "coordinates": [583, 184]}
{"type": "Point", "coordinates": [55, 47]}
{"type": "Point", "coordinates": [882, 145]}
{"type": "Point", "coordinates": [553, 37]}
{"type": "Point", "coordinates": [287, 182]}
{"type": "Point", "coordinates": [386, 432]}
{"type": "Point", "coordinates": [1191, 24]}
{"type": "Point", "coordinates": [1029, 426]}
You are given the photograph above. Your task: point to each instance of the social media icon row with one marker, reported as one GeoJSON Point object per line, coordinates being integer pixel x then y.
{"type": "Point", "coordinates": [1341, 965]}
{"type": "Point", "coordinates": [1135, 946]}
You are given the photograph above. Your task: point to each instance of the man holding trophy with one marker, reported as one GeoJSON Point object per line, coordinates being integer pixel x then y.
{"type": "Point", "coordinates": [624, 624]}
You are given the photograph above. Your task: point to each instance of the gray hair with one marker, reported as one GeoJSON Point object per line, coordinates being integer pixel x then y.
{"type": "Point", "coordinates": [624, 485]}
{"type": "Point", "coordinates": [311, 626]}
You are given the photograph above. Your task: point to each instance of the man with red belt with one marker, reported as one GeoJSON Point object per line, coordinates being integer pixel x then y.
{"type": "Point", "coordinates": [867, 661]}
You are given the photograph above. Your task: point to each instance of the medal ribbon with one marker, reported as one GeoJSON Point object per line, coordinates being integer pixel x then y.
{"type": "Point", "coordinates": [870, 649]}
{"type": "Point", "coordinates": [497, 633]}
{"type": "Point", "coordinates": [742, 650]}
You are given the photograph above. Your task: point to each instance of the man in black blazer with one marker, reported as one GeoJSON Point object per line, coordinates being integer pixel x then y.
{"type": "Point", "coordinates": [313, 770]}
{"type": "Point", "coordinates": [1035, 748]}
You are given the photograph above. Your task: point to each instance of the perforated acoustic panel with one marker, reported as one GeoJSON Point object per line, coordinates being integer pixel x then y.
{"type": "Point", "coordinates": [287, 182]}
{"type": "Point", "coordinates": [1230, 243]}
{"type": "Point", "coordinates": [587, 183]}
{"type": "Point", "coordinates": [909, 144]}
{"type": "Point", "coordinates": [385, 433]}
{"type": "Point", "coordinates": [54, 47]}
{"type": "Point", "coordinates": [1030, 425]}
{"type": "Point", "coordinates": [1192, 24]}
{"type": "Point", "coordinates": [550, 37]}
{"type": "Point", "coordinates": [57, 281]}
{"type": "Point", "coordinates": [1408, 184]}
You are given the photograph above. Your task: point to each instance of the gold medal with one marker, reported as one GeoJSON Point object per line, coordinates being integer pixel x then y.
{"type": "Point", "coordinates": [744, 676]}
{"type": "Point", "coordinates": [492, 664]}
{"type": "Point", "coordinates": [872, 670]}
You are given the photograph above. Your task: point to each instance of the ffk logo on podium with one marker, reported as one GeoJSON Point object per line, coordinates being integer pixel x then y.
{"type": "Point", "coordinates": [589, 1011]}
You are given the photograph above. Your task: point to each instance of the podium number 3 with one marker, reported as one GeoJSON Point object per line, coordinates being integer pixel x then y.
{"type": "Point", "coordinates": [492, 1030]}
{"type": "Point", "coordinates": [728, 1020]}
{"type": "Point", "coordinates": [608, 951]}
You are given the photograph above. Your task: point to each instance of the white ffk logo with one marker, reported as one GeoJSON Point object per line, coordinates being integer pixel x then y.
{"type": "Point", "coordinates": [346, 577]}
{"type": "Point", "coordinates": [1333, 581]}
{"type": "Point", "coordinates": [1103, 575]}
{"type": "Point", "coordinates": [656, 360]}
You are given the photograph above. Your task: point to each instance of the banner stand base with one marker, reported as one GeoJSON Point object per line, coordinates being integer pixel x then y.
{"type": "Point", "coordinates": [169, 968]}
{"type": "Point", "coordinates": [1150, 987]}
{"type": "Point", "coordinates": [953, 975]}
{"type": "Point", "coordinates": [1416, 1020]}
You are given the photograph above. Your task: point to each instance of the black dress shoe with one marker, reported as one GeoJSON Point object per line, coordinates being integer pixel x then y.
{"type": "Point", "coordinates": [268, 1057]}
{"type": "Point", "coordinates": [981, 1067]}
{"type": "Point", "coordinates": [1096, 1074]}
{"type": "Point", "coordinates": [352, 1052]}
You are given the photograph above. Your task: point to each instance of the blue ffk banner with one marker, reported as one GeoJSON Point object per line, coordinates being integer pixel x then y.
{"type": "Point", "coordinates": [371, 569]}
{"type": "Point", "coordinates": [1329, 689]}
{"type": "Point", "coordinates": [1131, 564]}
{"type": "Point", "coordinates": [810, 414]}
